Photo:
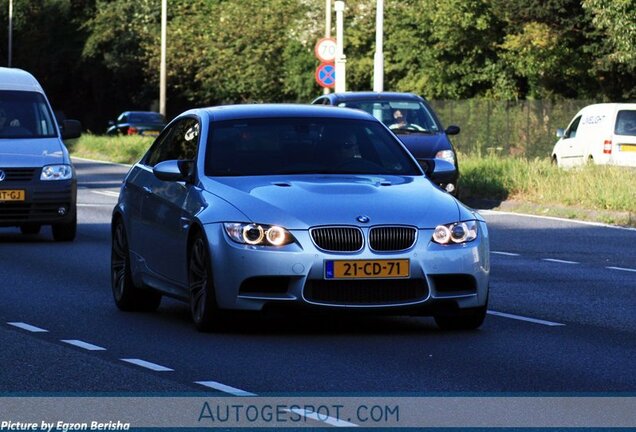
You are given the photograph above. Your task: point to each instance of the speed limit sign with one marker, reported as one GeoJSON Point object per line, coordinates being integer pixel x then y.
{"type": "Point", "coordinates": [326, 50]}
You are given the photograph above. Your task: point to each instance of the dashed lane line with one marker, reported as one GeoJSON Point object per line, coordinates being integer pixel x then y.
{"type": "Point", "coordinates": [622, 269]}
{"type": "Point", "coordinates": [28, 327]}
{"type": "Point", "coordinates": [554, 260]}
{"type": "Point", "coordinates": [111, 194]}
{"type": "Point", "coordinates": [225, 388]}
{"type": "Point", "coordinates": [504, 253]}
{"type": "Point", "coordinates": [84, 345]}
{"type": "Point", "coordinates": [527, 319]}
{"type": "Point", "coordinates": [148, 365]}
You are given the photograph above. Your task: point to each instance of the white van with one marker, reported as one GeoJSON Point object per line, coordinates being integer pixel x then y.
{"type": "Point", "coordinates": [38, 185]}
{"type": "Point", "coordinates": [601, 133]}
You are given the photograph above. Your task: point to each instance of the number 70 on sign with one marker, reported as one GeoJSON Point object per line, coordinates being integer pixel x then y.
{"type": "Point", "coordinates": [325, 50]}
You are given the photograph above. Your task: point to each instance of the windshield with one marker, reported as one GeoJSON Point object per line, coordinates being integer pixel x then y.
{"type": "Point", "coordinates": [25, 115]}
{"type": "Point", "coordinates": [411, 116]}
{"type": "Point", "coordinates": [304, 146]}
{"type": "Point", "coordinates": [150, 117]}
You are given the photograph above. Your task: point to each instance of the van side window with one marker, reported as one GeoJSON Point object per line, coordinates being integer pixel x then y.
{"type": "Point", "coordinates": [571, 130]}
{"type": "Point", "coordinates": [626, 123]}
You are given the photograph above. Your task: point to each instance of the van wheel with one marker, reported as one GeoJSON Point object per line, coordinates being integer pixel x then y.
{"type": "Point", "coordinates": [30, 229]}
{"type": "Point", "coordinates": [590, 160]}
{"type": "Point", "coordinates": [554, 161]}
{"type": "Point", "coordinates": [65, 231]}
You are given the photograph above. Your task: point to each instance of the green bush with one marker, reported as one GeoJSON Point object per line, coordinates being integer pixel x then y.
{"type": "Point", "coordinates": [121, 149]}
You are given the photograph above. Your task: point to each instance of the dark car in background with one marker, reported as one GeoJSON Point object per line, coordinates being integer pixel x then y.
{"type": "Point", "coordinates": [412, 119]}
{"type": "Point", "coordinates": [147, 123]}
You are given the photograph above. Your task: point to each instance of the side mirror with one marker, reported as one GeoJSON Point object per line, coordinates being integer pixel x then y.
{"type": "Point", "coordinates": [560, 133]}
{"type": "Point", "coordinates": [71, 129]}
{"type": "Point", "coordinates": [452, 130]}
{"type": "Point", "coordinates": [173, 170]}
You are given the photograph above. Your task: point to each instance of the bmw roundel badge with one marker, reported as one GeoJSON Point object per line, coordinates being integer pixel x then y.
{"type": "Point", "coordinates": [363, 219]}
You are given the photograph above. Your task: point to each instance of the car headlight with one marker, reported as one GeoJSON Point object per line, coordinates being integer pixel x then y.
{"type": "Point", "coordinates": [447, 155]}
{"type": "Point", "coordinates": [56, 172]}
{"type": "Point", "coordinates": [460, 232]}
{"type": "Point", "coordinates": [258, 234]}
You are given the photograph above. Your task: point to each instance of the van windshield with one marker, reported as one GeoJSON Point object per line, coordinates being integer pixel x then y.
{"type": "Point", "coordinates": [25, 114]}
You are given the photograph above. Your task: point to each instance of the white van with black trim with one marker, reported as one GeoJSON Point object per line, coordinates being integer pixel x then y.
{"type": "Point", "coordinates": [602, 134]}
{"type": "Point", "coordinates": [38, 185]}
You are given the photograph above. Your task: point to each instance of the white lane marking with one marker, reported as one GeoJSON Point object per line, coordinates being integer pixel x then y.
{"type": "Point", "coordinates": [322, 418]}
{"type": "Point", "coordinates": [224, 388]}
{"type": "Point", "coordinates": [596, 224]}
{"type": "Point", "coordinates": [504, 253]}
{"type": "Point", "coordinates": [111, 194]}
{"type": "Point", "coordinates": [559, 261]}
{"type": "Point", "coordinates": [95, 205]}
{"type": "Point", "coordinates": [522, 318]}
{"type": "Point", "coordinates": [148, 365]}
{"type": "Point", "coordinates": [82, 344]}
{"type": "Point", "coordinates": [28, 327]}
{"type": "Point", "coordinates": [622, 269]}
{"type": "Point", "coordinates": [101, 161]}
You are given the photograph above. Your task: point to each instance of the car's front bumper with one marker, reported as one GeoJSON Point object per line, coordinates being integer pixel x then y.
{"type": "Point", "coordinates": [252, 278]}
{"type": "Point", "coordinates": [45, 203]}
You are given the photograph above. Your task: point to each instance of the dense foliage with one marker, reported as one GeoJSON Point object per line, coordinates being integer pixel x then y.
{"type": "Point", "coordinates": [99, 57]}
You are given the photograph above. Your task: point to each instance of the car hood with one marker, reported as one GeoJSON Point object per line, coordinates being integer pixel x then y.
{"type": "Point", "coordinates": [30, 152]}
{"type": "Point", "coordinates": [300, 202]}
{"type": "Point", "coordinates": [424, 145]}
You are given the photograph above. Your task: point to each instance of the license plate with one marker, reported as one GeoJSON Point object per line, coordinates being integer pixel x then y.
{"type": "Point", "coordinates": [12, 195]}
{"type": "Point", "coordinates": [628, 147]}
{"type": "Point", "coordinates": [367, 269]}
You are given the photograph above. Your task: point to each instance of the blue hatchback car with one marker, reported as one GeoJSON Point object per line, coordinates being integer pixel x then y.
{"type": "Point", "coordinates": [412, 119]}
{"type": "Point", "coordinates": [254, 206]}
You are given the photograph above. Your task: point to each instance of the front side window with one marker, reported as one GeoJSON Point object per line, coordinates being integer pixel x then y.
{"type": "Point", "coordinates": [402, 116]}
{"type": "Point", "coordinates": [304, 146]}
{"type": "Point", "coordinates": [180, 142]}
{"type": "Point", "coordinates": [25, 115]}
{"type": "Point", "coordinates": [625, 123]}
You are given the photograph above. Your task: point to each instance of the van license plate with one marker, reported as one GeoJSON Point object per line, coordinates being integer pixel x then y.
{"type": "Point", "coordinates": [12, 195]}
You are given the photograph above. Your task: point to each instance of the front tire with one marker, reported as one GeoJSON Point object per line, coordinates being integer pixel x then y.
{"type": "Point", "coordinates": [128, 297]}
{"type": "Point", "coordinates": [203, 306]}
{"type": "Point", "coordinates": [30, 229]}
{"type": "Point", "coordinates": [65, 231]}
{"type": "Point", "coordinates": [464, 319]}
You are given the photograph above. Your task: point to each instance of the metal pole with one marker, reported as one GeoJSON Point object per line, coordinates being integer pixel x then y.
{"type": "Point", "coordinates": [341, 59]}
{"type": "Point", "coordinates": [10, 50]}
{"type": "Point", "coordinates": [162, 73]}
{"type": "Point", "coordinates": [378, 58]}
{"type": "Point", "coordinates": [327, 30]}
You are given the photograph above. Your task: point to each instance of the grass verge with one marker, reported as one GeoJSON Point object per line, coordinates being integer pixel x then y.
{"type": "Point", "coordinates": [595, 193]}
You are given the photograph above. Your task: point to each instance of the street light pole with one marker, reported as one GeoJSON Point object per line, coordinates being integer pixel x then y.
{"type": "Point", "coordinates": [162, 72]}
{"type": "Point", "coordinates": [378, 58]}
{"type": "Point", "coordinates": [327, 30]}
{"type": "Point", "coordinates": [10, 49]}
{"type": "Point", "coordinates": [341, 59]}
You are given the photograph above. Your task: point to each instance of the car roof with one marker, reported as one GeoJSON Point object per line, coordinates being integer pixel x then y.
{"type": "Point", "coordinates": [18, 79]}
{"type": "Point", "coordinates": [140, 112]}
{"type": "Point", "coordinates": [233, 112]}
{"type": "Point", "coordinates": [367, 95]}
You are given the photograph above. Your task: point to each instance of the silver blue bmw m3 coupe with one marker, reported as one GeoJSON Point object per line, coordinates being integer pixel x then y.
{"type": "Point", "coordinates": [249, 207]}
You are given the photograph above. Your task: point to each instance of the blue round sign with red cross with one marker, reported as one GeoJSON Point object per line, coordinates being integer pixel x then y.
{"type": "Point", "coordinates": [326, 75]}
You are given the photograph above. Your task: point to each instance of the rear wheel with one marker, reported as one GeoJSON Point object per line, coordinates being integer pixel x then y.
{"type": "Point", "coordinates": [128, 297]}
{"type": "Point", "coordinates": [464, 319]}
{"type": "Point", "coordinates": [65, 231]}
{"type": "Point", "coordinates": [30, 229]}
{"type": "Point", "coordinates": [205, 313]}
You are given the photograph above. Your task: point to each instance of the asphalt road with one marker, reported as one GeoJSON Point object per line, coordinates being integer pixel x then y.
{"type": "Point", "coordinates": [563, 296]}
